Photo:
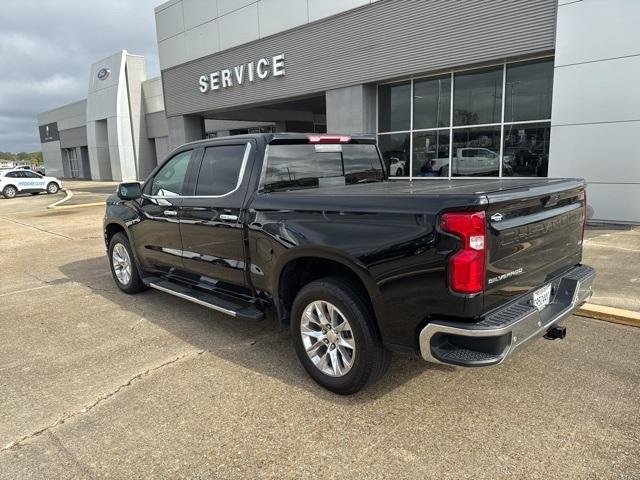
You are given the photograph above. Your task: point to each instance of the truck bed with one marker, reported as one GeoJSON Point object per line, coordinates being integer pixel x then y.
{"type": "Point", "coordinates": [436, 186]}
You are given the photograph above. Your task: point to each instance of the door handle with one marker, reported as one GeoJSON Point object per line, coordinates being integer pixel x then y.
{"type": "Point", "coordinates": [170, 213]}
{"type": "Point", "coordinates": [225, 216]}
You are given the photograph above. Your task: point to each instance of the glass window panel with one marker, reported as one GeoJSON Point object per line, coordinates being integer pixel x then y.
{"type": "Point", "coordinates": [394, 107]}
{"type": "Point", "coordinates": [478, 97]}
{"type": "Point", "coordinates": [528, 91]}
{"type": "Point", "coordinates": [431, 154]}
{"type": "Point", "coordinates": [395, 153]}
{"type": "Point", "coordinates": [297, 167]}
{"type": "Point", "coordinates": [169, 181]}
{"type": "Point", "coordinates": [220, 169]}
{"type": "Point", "coordinates": [476, 152]}
{"type": "Point", "coordinates": [432, 102]}
{"type": "Point", "coordinates": [526, 149]}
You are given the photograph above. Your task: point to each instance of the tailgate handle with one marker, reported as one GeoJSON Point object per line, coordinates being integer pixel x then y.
{"type": "Point", "coordinates": [551, 200]}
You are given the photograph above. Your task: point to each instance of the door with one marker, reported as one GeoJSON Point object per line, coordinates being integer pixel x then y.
{"type": "Point", "coordinates": [210, 223]}
{"type": "Point", "coordinates": [75, 165]}
{"type": "Point", "coordinates": [157, 234]}
{"type": "Point", "coordinates": [31, 181]}
{"type": "Point", "coordinates": [14, 178]}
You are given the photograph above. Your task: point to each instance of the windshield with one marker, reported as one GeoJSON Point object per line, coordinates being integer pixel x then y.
{"type": "Point", "coordinates": [297, 167]}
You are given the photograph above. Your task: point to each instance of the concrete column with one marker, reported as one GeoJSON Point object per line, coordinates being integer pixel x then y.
{"type": "Point", "coordinates": [183, 129]}
{"type": "Point", "coordinates": [351, 109]}
{"type": "Point", "coordinates": [595, 111]}
{"type": "Point", "coordinates": [52, 155]}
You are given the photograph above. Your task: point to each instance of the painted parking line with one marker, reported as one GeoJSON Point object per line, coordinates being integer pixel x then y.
{"type": "Point", "coordinates": [57, 205]}
{"type": "Point", "coordinates": [69, 194]}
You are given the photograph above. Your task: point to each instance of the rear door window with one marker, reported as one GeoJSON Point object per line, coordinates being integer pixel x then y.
{"type": "Point", "coordinates": [220, 171]}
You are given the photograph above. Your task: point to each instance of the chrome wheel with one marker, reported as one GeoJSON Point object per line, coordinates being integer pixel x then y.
{"type": "Point", "coordinates": [52, 188]}
{"type": "Point", "coordinates": [121, 263]}
{"type": "Point", "coordinates": [327, 338]}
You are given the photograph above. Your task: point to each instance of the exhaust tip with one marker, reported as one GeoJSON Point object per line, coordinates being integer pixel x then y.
{"type": "Point", "coordinates": [555, 332]}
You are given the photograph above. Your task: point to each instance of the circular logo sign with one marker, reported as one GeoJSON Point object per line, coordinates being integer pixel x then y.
{"type": "Point", "coordinates": [103, 73]}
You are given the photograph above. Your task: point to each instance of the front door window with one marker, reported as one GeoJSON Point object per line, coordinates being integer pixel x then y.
{"type": "Point", "coordinates": [169, 181]}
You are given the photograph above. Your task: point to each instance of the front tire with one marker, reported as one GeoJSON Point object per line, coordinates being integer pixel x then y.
{"type": "Point", "coordinates": [9, 191]}
{"type": "Point", "coordinates": [52, 188]}
{"type": "Point", "coordinates": [335, 336]}
{"type": "Point", "coordinates": [123, 266]}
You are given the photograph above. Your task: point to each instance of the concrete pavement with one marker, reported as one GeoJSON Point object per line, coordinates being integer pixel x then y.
{"type": "Point", "coordinates": [87, 192]}
{"type": "Point", "coordinates": [614, 251]}
{"type": "Point", "coordinates": [95, 383]}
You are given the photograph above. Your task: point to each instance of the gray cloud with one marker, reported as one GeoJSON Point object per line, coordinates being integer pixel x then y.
{"type": "Point", "coordinates": [47, 47]}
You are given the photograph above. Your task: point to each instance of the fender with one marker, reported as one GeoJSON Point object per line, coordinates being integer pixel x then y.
{"type": "Point", "coordinates": [332, 254]}
{"type": "Point", "coordinates": [117, 221]}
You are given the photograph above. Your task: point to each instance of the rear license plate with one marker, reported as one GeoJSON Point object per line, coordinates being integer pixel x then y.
{"type": "Point", "coordinates": [541, 297]}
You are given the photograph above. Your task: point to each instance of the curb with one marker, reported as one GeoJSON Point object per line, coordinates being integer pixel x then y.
{"type": "Point", "coordinates": [57, 206]}
{"type": "Point", "coordinates": [609, 314]}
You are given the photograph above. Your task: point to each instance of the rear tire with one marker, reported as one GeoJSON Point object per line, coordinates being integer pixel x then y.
{"type": "Point", "coordinates": [123, 266]}
{"type": "Point", "coordinates": [9, 191]}
{"type": "Point", "coordinates": [352, 356]}
{"type": "Point", "coordinates": [52, 188]}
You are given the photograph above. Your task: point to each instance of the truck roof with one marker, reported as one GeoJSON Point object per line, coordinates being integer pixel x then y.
{"type": "Point", "coordinates": [287, 137]}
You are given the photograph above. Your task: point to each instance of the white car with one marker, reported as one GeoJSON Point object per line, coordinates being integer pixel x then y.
{"type": "Point", "coordinates": [396, 167]}
{"type": "Point", "coordinates": [18, 180]}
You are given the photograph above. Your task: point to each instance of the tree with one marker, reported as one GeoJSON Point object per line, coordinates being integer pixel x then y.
{"type": "Point", "coordinates": [24, 157]}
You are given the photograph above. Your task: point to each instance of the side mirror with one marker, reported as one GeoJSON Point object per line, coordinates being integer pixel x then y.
{"type": "Point", "coordinates": [129, 191]}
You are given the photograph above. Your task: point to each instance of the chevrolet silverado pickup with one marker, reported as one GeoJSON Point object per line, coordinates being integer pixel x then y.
{"type": "Point", "coordinates": [309, 230]}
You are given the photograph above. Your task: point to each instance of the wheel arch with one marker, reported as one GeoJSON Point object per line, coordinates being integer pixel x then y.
{"type": "Point", "coordinates": [10, 185]}
{"type": "Point", "coordinates": [111, 228]}
{"type": "Point", "coordinates": [299, 267]}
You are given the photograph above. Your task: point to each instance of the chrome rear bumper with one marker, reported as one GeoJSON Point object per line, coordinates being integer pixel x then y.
{"type": "Point", "coordinates": [491, 340]}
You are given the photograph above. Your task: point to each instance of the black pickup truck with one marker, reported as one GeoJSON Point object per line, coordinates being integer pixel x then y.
{"type": "Point", "coordinates": [309, 229]}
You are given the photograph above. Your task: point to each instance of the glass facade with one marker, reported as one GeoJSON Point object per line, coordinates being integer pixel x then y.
{"type": "Point", "coordinates": [487, 122]}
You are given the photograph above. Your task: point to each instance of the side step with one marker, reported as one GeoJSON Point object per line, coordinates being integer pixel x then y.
{"type": "Point", "coordinates": [218, 302]}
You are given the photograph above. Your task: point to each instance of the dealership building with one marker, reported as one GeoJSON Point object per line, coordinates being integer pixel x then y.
{"type": "Point", "coordinates": [483, 88]}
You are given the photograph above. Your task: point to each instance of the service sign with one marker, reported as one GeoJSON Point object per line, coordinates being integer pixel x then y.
{"type": "Point", "coordinates": [49, 133]}
{"type": "Point", "coordinates": [241, 74]}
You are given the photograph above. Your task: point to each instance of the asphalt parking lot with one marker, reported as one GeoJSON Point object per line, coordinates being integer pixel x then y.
{"type": "Point", "coordinates": [95, 383]}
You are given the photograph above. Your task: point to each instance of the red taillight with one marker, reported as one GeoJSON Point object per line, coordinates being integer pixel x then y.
{"type": "Point", "coordinates": [467, 266]}
{"type": "Point", "coordinates": [323, 138]}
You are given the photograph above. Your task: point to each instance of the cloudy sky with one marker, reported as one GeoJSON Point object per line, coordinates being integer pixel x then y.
{"type": "Point", "coordinates": [47, 47]}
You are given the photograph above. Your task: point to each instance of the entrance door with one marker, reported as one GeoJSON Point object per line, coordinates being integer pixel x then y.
{"type": "Point", "coordinates": [210, 223]}
{"type": "Point", "coordinates": [157, 236]}
{"type": "Point", "coordinates": [86, 166]}
{"type": "Point", "coordinates": [75, 165]}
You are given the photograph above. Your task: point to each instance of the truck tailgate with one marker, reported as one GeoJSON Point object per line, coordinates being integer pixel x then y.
{"type": "Point", "coordinates": [535, 233]}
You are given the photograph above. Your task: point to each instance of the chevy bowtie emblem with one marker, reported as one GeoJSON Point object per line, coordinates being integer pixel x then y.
{"type": "Point", "coordinates": [497, 217]}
